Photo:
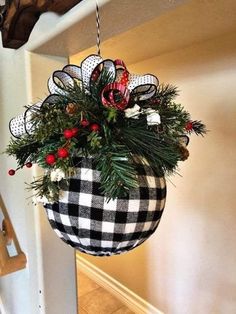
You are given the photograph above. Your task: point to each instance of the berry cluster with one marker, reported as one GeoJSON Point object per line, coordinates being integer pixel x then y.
{"type": "Point", "coordinates": [113, 123]}
{"type": "Point", "coordinates": [12, 172]}
{"type": "Point", "coordinates": [63, 152]}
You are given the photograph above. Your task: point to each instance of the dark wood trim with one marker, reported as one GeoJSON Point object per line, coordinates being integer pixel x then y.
{"type": "Point", "coordinates": [21, 16]}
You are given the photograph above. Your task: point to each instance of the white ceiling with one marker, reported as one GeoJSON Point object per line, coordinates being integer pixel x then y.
{"type": "Point", "coordinates": [136, 29]}
{"type": "Point", "coordinates": [76, 30]}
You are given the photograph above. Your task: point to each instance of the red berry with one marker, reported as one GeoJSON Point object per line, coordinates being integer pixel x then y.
{"type": "Point", "coordinates": [94, 127]}
{"type": "Point", "coordinates": [156, 101]}
{"type": "Point", "coordinates": [68, 133]}
{"type": "Point", "coordinates": [74, 131]}
{"type": "Point", "coordinates": [189, 126]}
{"type": "Point", "coordinates": [11, 172]}
{"type": "Point", "coordinates": [50, 159]}
{"type": "Point", "coordinates": [28, 164]}
{"type": "Point", "coordinates": [62, 153]}
{"type": "Point", "coordinates": [84, 122]}
{"type": "Point", "coordinates": [95, 74]}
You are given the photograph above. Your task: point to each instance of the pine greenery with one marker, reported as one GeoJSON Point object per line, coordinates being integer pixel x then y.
{"type": "Point", "coordinates": [116, 145]}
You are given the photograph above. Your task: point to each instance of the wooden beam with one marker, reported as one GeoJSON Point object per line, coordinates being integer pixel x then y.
{"type": "Point", "coordinates": [9, 264]}
{"type": "Point", "coordinates": [20, 16]}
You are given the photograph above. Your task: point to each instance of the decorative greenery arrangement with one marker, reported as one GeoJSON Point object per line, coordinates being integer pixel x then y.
{"type": "Point", "coordinates": [117, 131]}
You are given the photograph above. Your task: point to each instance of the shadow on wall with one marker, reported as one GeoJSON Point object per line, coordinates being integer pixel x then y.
{"type": "Point", "coordinates": [188, 265]}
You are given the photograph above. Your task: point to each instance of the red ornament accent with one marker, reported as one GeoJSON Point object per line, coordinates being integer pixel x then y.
{"type": "Point", "coordinates": [50, 159]}
{"type": "Point", "coordinates": [156, 101]}
{"type": "Point", "coordinates": [62, 153]}
{"type": "Point", "coordinates": [68, 134]}
{"type": "Point", "coordinates": [11, 172]}
{"type": "Point", "coordinates": [114, 89]}
{"type": "Point", "coordinates": [124, 78]}
{"type": "Point", "coordinates": [84, 123]}
{"type": "Point", "coordinates": [28, 164]}
{"type": "Point", "coordinates": [95, 74]}
{"type": "Point", "coordinates": [189, 126]}
{"type": "Point", "coordinates": [74, 131]}
{"type": "Point", "coordinates": [94, 127]}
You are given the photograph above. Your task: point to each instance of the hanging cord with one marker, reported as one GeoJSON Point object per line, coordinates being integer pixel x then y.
{"type": "Point", "coordinates": [98, 28]}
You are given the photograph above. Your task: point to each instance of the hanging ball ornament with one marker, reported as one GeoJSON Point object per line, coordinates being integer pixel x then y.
{"type": "Point", "coordinates": [94, 127]}
{"type": "Point", "coordinates": [11, 172]}
{"type": "Point", "coordinates": [29, 164]}
{"type": "Point", "coordinates": [50, 159]}
{"type": "Point", "coordinates": [62, 152]}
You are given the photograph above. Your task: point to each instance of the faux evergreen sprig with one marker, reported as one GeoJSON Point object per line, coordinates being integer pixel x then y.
{"type": "Point", "coordinates": [77, 125]}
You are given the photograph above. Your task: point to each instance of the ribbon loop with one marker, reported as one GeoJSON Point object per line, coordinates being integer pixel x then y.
{"type": "Point", "coordinates": [65, 80]}
{"type": "Point", "coordinates": [115, 95]}
{"type": "Point", "coordinates": [74, 71]}
{"type": "Point", "coordinates": [143, 86]}
{"type": "Point", "coordinates": [23, 123]}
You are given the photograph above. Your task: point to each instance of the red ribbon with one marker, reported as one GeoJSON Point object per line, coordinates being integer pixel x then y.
{"type": "Point", "coordinates": [116, 95]}
{"type": "Point", "coordinates": [113, 91]}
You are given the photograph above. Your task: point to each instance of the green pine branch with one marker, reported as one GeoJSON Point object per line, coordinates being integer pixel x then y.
{"type": "Point", "coordinates": [118, 144]}
{"type": "Point", "coordinates": [44, 187]}
{"type": "Point", "coordinates": [118, 174]}
{"type": "Point", "coordinates": [166, 93]}
{"type": "Point", "coordinates": [145, 143]}
{"type": "Point", "coordinates": [199, 128]}
{"type": "Point", "coordinates": [23, 149]}
{"type": "Point", "coordinates": [173, 120]}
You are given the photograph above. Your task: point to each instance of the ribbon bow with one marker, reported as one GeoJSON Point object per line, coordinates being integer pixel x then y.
{"type": "Point", "coordinates": [114, 95]}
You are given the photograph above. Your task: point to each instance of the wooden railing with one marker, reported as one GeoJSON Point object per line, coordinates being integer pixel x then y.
{"type": "Point", "coordinates": [9, 264]}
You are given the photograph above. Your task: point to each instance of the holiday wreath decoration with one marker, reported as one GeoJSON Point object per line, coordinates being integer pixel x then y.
{"type": "Point", "coordinates": [106, 139]}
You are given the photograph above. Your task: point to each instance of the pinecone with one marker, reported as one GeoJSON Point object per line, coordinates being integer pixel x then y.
{"type": "Point", "coordinates": [183, 152]}
{"type": "Point", "coordinates": [71, 108]}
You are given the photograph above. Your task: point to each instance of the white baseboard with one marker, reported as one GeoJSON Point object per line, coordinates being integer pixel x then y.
{"type": "Point", "coordinates": [2, 310]}
{"type": "Point", "coordinates": [122, 293]}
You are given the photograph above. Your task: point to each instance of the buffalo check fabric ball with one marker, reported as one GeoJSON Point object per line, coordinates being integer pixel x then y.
{"type": "Point", "coordinates": [85, 220]}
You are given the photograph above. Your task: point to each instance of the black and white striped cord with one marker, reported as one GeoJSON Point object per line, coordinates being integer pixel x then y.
{"type": "Point", "coordinates": [98, 28]}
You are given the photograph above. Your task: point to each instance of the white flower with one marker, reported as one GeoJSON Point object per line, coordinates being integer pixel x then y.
{"type": "Point", "coordinates": [133, 112]}
{"type": "Point", "coordinates": [153, 117]}
{"type": "Point", "coordinates": [57, 175]}
{"type": "Point", "coordinates": [41, 199]}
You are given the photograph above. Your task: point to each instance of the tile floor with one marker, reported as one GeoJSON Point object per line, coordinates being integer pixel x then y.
{"type": "Point", "coordinates": [94, 299]}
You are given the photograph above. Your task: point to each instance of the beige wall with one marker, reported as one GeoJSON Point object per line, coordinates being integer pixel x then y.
{"type": "Point", "coordinates": [48, 284]}
{"type": "Point", "coordinates": [57, 258]}
{"type": "Point", "coordinates": [188, 266]}
{"type": "Point", "coordinates": [15, 289]}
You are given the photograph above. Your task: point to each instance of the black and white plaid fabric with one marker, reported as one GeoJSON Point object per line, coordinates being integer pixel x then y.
{"type": "Point", "coordinates": [84, 220]}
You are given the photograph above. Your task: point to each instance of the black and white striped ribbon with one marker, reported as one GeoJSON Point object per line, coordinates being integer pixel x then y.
{"type": "Point", "coordinates": [140, 87]}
